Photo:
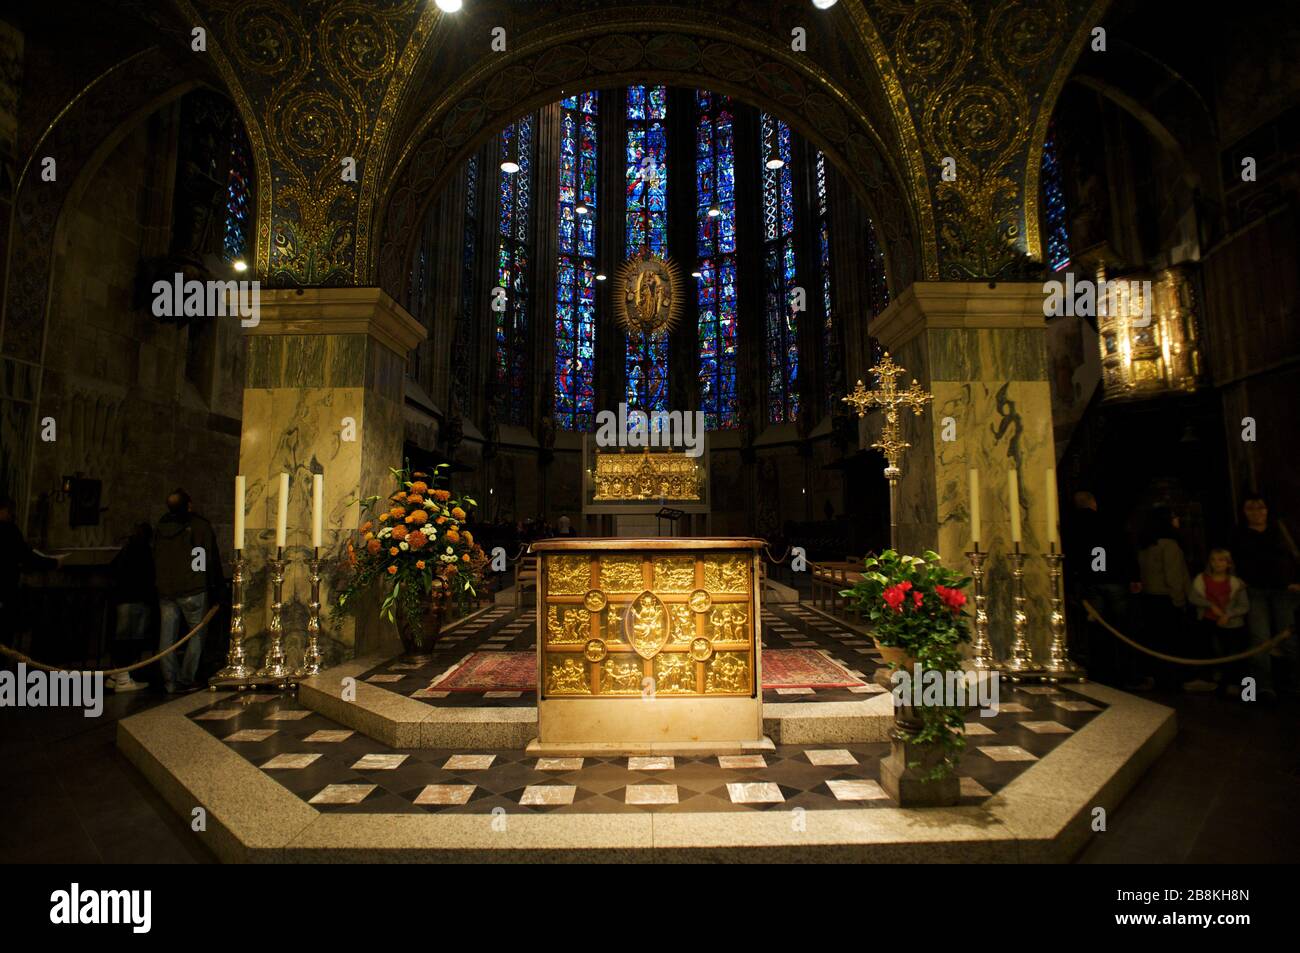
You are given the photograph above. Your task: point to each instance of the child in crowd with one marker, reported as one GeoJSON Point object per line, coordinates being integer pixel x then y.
{"type": "Point", "coordinates": [1221, 604]}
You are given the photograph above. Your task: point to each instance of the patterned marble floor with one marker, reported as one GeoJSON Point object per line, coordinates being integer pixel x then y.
{"type": "Point", "coordinates": [336, 769]}
{"type": "Point", "coordinates": [503, 629]}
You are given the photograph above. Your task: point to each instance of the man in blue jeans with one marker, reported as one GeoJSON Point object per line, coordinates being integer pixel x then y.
{"type": "Point", "coordinates": [187, 567]}
{"type": "Point", "coordinates": [1267, 561]}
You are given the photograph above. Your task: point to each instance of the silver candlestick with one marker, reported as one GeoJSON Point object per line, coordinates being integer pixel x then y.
{"type": "Point", "coordinates": [982, 650]}
{"type": "Point", "coordinates": [274, 669]}
{"type": "Point", "coordinates": [311, 657]}
{"type": "Point", "coordinates": [1060, 667]}
{"type": "Point", "coordinates": [237, 673]}
{"type": "Point", "coordinates": [1019, 663]}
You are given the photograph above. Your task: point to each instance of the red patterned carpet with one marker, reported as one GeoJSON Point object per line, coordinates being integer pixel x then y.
{"type": "Point", "coordinates": [517, 672]}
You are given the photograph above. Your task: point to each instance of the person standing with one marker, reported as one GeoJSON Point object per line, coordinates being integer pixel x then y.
{"type": "Point", "coordinates": [1268, 563]}
{"type": "Point", "coordinates": [187, 566]}
{"type": "Point", "coordinates": [133, 576]}
{"type": "Point", "coordinates": [1221, 603]}
{"type": "Point", "coordinates": [1164, 590]}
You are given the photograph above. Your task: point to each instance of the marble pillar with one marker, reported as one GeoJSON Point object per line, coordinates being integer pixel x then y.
{"type": "Point", "coordinates": [980, 349]}
{"type": "Point", "coordinates": [323, 393]}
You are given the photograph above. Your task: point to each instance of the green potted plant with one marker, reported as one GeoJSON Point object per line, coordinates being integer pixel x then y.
{"type": "Point", "coordinates": [415, 547]}
{"type": "Point", "coordinates": [914, 605]}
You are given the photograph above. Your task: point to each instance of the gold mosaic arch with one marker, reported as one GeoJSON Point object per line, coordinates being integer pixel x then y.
{"type": "Point", "coordinates": [1033, 238]}
{"type": "Point", "coordinates": [263, 183]}
{"type": "Point", "coordinates": [491, 94]}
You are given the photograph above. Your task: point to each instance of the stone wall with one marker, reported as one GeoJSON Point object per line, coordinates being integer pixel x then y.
{"type": "Point", "coordinates": [140, 405]}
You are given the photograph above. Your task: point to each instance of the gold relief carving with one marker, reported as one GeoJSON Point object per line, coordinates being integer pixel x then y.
{"type": "Point", "coordinates": [567, 624]}
{"type": "Point", "coordinates": [595, 651]}
{"type": "Point", "coordinates": [621, 677]}
{"type": "Point", "coordinates": [727, 623]}
{"type": "Point", "coordinates": [594, 600]}
{"type": "Point", "coordinates": [700, 600]}
{"type": "Point", "coordinates": [674, 674]}
{"type": "Point", "coordinates": [683, 623]}
{"type": "Point", "coordinates": [727, 575]}
{"type": "Point", "coordinates": [674, 573]}
{"type": "Point", "coordinates": [566, 675]}
{"type": "Point", "coordinates": [621, 574]}
{"type": "Point", "coordinates": [646, 476]}
{"type": "Point", "coordinates": [727, 673]}
{"type": "Point", "coordinates": [645, 624]}
{"type": "Point", "coordinates": [701, 649]}
{"type": "Point", "coordinates": [568, 575]}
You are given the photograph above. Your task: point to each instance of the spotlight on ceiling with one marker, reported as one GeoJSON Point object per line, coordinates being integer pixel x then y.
{"type": "Point", "coordinates": [451, 6]}
{"type": "Point", "coordinates": [824, 4]}
{"type": "Point", "coordinates": [240, 265]}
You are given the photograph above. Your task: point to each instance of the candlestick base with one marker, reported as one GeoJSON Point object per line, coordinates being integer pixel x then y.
{"type": "Point", "coordinates": [982, 649]}
{"type": "Point", "coordinates": [237, 674]}
{"type": "Point", "coordinates": [1059, 667]}
{"type": "Point", "coordinates": [1019, 665]}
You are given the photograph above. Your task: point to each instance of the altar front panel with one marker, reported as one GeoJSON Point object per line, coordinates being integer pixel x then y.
{"type": "Point", "coordinates": [649, 640]}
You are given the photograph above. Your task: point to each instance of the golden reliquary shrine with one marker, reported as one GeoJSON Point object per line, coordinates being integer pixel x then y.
{"type": "Point", "coordinates": [644, 642]}
{"type": "Point", "coordinates": [646, 476]}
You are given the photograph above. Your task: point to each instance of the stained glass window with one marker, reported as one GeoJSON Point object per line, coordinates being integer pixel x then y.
{"type": "Point", "coordinates": [514, 200]}
{"type": "Point", "coordinates": [646, 362]}
{"type": "Point", "coordinates": [575, 288]}
{"type": "Point", "coordinates": [1058, 234]}
{"type": "Point", "coordinates": [715, 176]}
{"type": "Point", "coordinates": [461, 360]}
{"type": "Point", "coordinates": [239, 195]}
{"type": "Point", "coordinates": [830, 339]}
{"type": "Point", "coordinates": [781, 320]}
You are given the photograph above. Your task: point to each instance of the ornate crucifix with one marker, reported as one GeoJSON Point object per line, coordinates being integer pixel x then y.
{"type": "Point", "coordinates": [889, 398]}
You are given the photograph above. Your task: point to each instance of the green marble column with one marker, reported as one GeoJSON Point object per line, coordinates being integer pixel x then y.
{"type": "Point", "coordinates": [981, 351]}
{"type": "Point", "coordinates": [323, 393]}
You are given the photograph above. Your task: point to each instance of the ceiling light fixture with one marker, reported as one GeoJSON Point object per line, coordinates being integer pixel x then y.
{"type": "Point", "coordinates": [510, 163]}
{"type": "Point", "coordinates": [451, 6]}
{"type": "Point", "coordinates": [714, 210]}
{"type": "Point", "coordinates": [824, 4]}
{"type": "Point", "coordinates": [600, 277]}
{"type": "Point", "coordinates": [240, 264]}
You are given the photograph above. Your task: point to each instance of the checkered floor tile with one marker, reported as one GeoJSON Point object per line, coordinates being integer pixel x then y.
{"type": "Point", "coordinates": [335, 769]}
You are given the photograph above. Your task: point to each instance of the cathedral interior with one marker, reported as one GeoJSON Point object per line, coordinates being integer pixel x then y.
{"type": "Point", "coordinates": [612, 274]}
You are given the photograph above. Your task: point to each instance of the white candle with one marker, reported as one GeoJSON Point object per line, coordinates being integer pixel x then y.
{"type": "Point", "coordinates": [239, 511]}
{"type": "Point", "coordinates": [1013, 499]}
{"type": "Point", "coordinates": [975, 507]}
{"type": "Point", "coordinates": [282, 513]}
{"type": "Point", "coordinates": [317, 507]}
{"type": "Point", "coordinates": [1053, 507]}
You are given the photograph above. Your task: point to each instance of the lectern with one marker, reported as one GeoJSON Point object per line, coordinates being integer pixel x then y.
{"type": "Point", "coordinates": [649, 645]}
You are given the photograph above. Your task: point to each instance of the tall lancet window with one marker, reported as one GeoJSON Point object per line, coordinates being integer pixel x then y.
{"type": "Point", "coordinates": [830, 337]}
{"type": "Point", "coordinates": [646, 363]}
{"type": "Point", "coordinates": [514, 195]}
{"type": "Point", "coordinates": [715, 175]}
{"type": "Point", "coordinates": [575, 286]}
{"type": "Point", "coordinates": [467, 315]}
{"type": "Point", "coordinates": [1058, 234]}
{"type": "Point", "coordinates": [781, 320]}
{"type": "Point", "coordinates": [239, 195]}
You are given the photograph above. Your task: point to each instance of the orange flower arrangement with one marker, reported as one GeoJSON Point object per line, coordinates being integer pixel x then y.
{"type": "Point", "coordinates": [419, 556]}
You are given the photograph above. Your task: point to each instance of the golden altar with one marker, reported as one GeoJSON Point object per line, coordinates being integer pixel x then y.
{"type": "Point", "coordinates": [648, 644]}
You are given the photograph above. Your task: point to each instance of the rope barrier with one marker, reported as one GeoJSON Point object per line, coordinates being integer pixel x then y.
{"type": "Point", "coordinates": [767, 549]}
{"type": "Point", "coordinates": [32, 663]}
{"type": "Point", "coordinates": [1095, 616]}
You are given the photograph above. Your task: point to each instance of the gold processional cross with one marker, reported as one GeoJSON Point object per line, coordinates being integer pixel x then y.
{"type": "Point", "coordinates": [889, 398]}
